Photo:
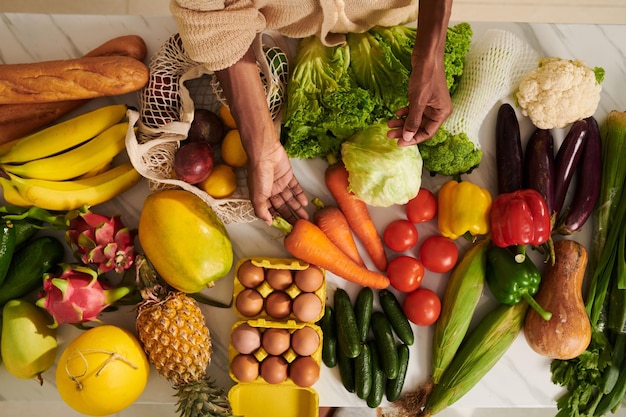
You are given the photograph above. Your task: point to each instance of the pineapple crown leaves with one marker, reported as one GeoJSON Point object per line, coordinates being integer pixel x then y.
{"type": "Point", "coordinates": [77, 295]}
{"type": "Point", "coordinates": [202, 398]}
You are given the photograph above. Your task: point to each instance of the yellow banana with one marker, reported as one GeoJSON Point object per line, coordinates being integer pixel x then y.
{"type": "Point", "coordinates": [62, 136]}
{"type": "Point", "coordinates": [105, 166]}
{"type": "Point", "coordinates": [12, 195]}
{"type": "Point", "coordinates": [77, 161]}
{"type": "Point", "coordinates": [70, 195]}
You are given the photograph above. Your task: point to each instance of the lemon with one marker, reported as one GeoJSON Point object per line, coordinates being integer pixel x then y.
{"type": "Point", "coordinates": [227, 117]}
{"type": "Point", "coordinates": [232, 149]}
{"type": "Point", "coordinates": [221, 183]}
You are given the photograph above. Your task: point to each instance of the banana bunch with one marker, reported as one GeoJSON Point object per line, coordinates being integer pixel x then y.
{"type": "Point", "coordinates": [70, 164]}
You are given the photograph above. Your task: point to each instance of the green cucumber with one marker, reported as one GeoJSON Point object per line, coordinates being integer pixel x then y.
{"type": "Point", "coordinates": [363, 308]}
{"type": "Point", "coordinates": [393, 310]}
{"type": "Point", "coordinates": [394, 386]}
{"type": "Point", "coordinates": [386, 344]}
{"type": "Point", "coordinates": [24, 230]}
{"type": "Point", "coordinates": [345, 319]}
{"type": "Point", "coordinates": [329, 337]}
{"type": "Point", "coordinates": [346, 371]}
{"type": "Point", "coordinates": [7, 248]}
{"type": "Point", "coordinates": [28, 265]}
{"type": "Point", "coordinates": [363, 372]}
{"type": "Point", "coordinates": [377, 391]}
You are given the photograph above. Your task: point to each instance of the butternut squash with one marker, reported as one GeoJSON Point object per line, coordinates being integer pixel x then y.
{"type": "Point", "coordinates": [568, 333]}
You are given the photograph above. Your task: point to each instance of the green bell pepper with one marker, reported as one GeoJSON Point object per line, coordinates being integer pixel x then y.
{"type": "Point", "coordinates": [510, 281]}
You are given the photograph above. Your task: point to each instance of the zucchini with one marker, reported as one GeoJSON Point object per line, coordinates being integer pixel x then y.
{"type": "Point", "coordinates": [345, 319]}
{"type": "Point", "coordinates": [24, 230]}
{"type": "Point", "coordinates": [377, 391]}
{"type": "Point", "coordinates": [329, 337]}
{"type": "Point", "coordinates": [386, 344]}
{"type": "Point", "coordinates": [393, 310]}
{"type": "Point", "coordinates": [28, 265]}
{"type": "Point", "coordinates": [363, 372]}
{"type": "Point", "coordinates": [346, 371]}
{"type": "Point", "coordinates": [363, 308]}
{"type": "Point", "coordinates": [394, 387]}
{"type": "Point", "coordinates": [7, 248]}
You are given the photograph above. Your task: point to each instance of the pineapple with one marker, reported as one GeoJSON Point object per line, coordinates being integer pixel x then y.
{"type": "Point", "coordinates": [174, 335]}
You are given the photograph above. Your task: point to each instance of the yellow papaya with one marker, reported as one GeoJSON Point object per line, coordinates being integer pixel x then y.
{"type": "Point", "coordinates": [186, 242]}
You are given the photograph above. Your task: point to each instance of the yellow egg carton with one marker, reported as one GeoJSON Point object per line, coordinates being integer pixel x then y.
{"type": "Point", "coordinates": [258, 397]}
{"type": "Point", "coordinates": [266, 290]}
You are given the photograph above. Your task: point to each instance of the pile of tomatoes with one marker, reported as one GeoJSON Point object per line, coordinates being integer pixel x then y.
{"type": "Point", "coordinates": [406, 271]}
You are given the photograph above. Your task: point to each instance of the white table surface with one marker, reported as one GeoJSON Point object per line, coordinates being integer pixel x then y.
{"type": "Point", "coordinates": [520, 379]}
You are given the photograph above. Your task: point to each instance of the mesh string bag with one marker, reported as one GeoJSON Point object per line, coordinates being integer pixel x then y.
{"type": "Point", "coordinates": [494, 67]}
{"type": "Point", "coordinates": [176, 87]}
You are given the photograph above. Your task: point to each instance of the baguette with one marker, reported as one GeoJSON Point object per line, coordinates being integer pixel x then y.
{"type": "Point", "coordinates": [79, 78]}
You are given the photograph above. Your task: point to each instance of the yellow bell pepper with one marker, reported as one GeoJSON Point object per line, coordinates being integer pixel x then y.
{"type": "Point", "coordinates": [463, 207]}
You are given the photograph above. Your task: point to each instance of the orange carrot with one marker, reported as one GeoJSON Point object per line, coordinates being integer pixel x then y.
{"type": "Point", "coordinates": [307, 242]}
{"type": "Point", "coordinates": [334, 224]}
{"type": "Point", "coordinates": [356, 213]}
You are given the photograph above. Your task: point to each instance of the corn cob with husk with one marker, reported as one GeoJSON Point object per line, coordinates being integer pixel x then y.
{"type": "Point", "coordinates": [463, 291]}
{"type": "Point", "coordinates": [482, 349]}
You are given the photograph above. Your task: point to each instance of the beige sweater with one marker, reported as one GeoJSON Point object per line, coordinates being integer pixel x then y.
{"type": "Point", "coordinates": [219, 32]}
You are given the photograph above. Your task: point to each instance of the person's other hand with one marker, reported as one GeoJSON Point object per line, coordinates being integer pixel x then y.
{"type": "Point", "coordinates": [274, 190]}
{"type": "Point", "coordinates": [429, 106]}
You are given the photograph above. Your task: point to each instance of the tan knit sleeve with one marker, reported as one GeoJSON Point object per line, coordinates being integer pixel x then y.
{"type": "Point", "coordinates": [215, 34]}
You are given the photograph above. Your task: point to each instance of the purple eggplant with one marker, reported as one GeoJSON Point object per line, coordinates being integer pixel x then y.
{"type": "Point", "coordinates": [509, 153]}
{"type": "Point", "coordinates": [588, 181]}
{"type": "Point", "coordinates": [539, 166]}
{"type": "Point", "coordinates": [566, 161]}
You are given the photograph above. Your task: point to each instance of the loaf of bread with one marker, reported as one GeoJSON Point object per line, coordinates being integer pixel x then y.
{"type": "Point", "coordinates": [71, 79]}
{"type": "Point", "coordinates": [17, 120]}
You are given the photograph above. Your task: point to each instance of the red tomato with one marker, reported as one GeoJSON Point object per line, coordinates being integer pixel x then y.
{"type": "Point", "coordinates": [405, 273]}
{"type": "Point", "coordinates": [422, 207]}
{"type": "Point", "coordinates": [400, 235]}
{"type": "Point", "coordinates": [422, 307]}
{"type": "Point", "coordinates": [438, 253]}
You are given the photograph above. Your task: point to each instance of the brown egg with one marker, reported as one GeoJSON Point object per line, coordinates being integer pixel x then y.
{"type": "Point", "coordinates": [305, 341]}
{"type": "Point", "coordinates": [250, 275]}
{"type": "Point", "coordinates": [307, 306]}
{"type": "Point", "coordinates": [274, 369]}
{"type": "Point", "coordinates": [276, 341]}
{"type": "Point", "coordinates": [245, 338]}
{"type": "Point", "coordinates": [304, 371]}
{"type": "Point", "coordinates": [309, 279]}
{"type": "Point", "coordinates": [278, 304]}
{"type": "Point", "coordinates": [245, 368]}
{"type": "Point", "coordinates": [279, 279]}
{"type": "Point", "coordinates": [249, 302]}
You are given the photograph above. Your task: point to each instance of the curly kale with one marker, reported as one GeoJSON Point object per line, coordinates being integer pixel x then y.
{"type": "Point", "coordinates": [458, 40]}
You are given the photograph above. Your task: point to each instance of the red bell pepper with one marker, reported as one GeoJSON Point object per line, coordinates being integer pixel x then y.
{"type": "Point", "coordinates": [520, 218]}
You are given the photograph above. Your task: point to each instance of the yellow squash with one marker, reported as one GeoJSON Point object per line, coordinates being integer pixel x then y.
{"type": "Point", "coordinates": [185, 240]}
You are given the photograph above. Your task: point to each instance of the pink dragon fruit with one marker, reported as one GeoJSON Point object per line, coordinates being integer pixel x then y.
{"type": "Point", "coordinates": [101, 241]}
{"type": "Point", "coordinates": [77, 295]}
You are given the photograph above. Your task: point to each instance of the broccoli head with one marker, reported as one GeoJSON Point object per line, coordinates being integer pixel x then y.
{"type": "Point", "coordinates": [452, 155]}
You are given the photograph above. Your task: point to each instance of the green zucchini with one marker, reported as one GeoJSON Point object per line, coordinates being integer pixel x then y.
{"type": "Point", "coordinates": [386, 344]}
{"type": "Point", "coordinates": [329, 337]}
{"type": "Point", "coordinates": [28, 265]}
{"type": "Point", "coordinates": [394, 386]}
{"type": "Point", "coordinates": [363, 308]}
{"type": "Point", "coordinates": [346, 371]}
{"type": "Point", "coordinates": [24, 230]}
{"type": "Point", "coordinates": [7, 248]}
{"type": "Point", "coordinates": [393, 310]}
{"type": "Point", "coordinates": [345, 319]}
{"type": "Point", "coordinates": [377, 391]}
{"type": "Point", "coordinates": [363, 372]}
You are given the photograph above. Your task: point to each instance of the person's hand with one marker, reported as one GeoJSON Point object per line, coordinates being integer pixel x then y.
{"type": "Point", "coordinates": [274, 190]}
{"type": "Point", "coordinates": [429, 106]}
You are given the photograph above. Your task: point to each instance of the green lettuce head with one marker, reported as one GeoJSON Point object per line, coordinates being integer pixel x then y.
{"type": "Point", "coordinates": [381, 173]}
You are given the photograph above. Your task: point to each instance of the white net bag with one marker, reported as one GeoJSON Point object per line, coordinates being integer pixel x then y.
{"type": "Point", "coordinates": [493, 69]}
{"type": "Point", "coordinates": [177, 86]}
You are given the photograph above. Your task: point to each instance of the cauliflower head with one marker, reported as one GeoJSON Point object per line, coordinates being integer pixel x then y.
{"type": "Point", "coordinates": [559, 92]}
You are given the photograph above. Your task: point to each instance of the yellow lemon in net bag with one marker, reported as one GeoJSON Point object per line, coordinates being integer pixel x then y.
{"type": "Point", "coordinates": [232, 149]}
{"type": "Point", "coordinates": [221, 183]}
{"type": "Point", "coordinates": [227, 117]}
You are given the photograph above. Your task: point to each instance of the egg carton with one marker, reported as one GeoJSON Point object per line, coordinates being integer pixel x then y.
{"type": "Point", "coordinates": [266, 291]}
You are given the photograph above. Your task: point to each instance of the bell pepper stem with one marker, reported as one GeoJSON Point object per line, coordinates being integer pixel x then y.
{"type": "Point", "coordinates": [546, 315]}
{"type": "Point", "coordinates": [520, 255]}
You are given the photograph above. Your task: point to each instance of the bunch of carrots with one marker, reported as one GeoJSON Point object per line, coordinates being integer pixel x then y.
{"type": "Point", "coordinates": [327, 240]}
